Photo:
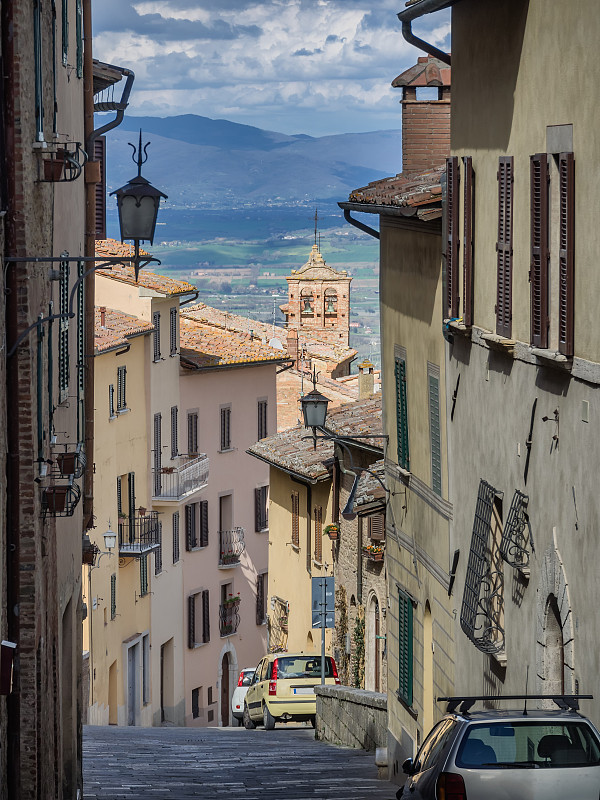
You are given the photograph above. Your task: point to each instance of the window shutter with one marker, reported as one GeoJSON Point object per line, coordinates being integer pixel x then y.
{"type": "Point", "coordinates": [401, 414]}
{"type": "Point", "coordinates": [260, 599]}
{"type": "Point", "coordinates": [319, 534]}
{"type": "Point", "coordinates": [158, 552]}
{"type": "Point", "coordinates": [79, 37]}
{"type": "Point", "coordinates": [376, 527]}
{"type": "Point", "coordinates": [203, 523]}
{"type": "Point", "coordinates": [99, 155]}
{"type": "Point", "coordinates": [225, 428]}
{"type": "Point", "coordinates": [566, 296]}
{"type": "Point", "coordinates": [295, 519]}
{"type": "Point", "coordinates": [192, 621]}
{"type": "Point", "coordinates": [205, 617]}
{"type": "Point", "coordinates": [119, 496]}
{"type": "Point", "coordinates": [173, 331]}
{"type": "Point", "coordinates": [468, 243]}
{"type": "Point", "coordinates": [192, 434]}
{"type": "Point", "coordinates": [111, 400]}
{"type": "Point", "coordinates": [131, 501]}
{"type": "Point", "coordinates": [156, 334]}
{"type": "Point", "coordinates": [262, 419]}
{"type": "Point", "coordinates": [257, 510]}
{"type": "Point", "coordinates": [144, 575]}
{"type": "Point", "coordinates": [174, 426]}
{"type": "Point", "coordinates": [452, 241]}
{"type": "Point", "coordinates": [434, 433]}
{"type": "Point", "coordinates": [190, 538]}
{"type": "Point", "coordinates": [504, 246]}
{"type": "Point", "coordinates": [157, 454]}
{"type": "Point", "coordinates": [405, 648]}
{"type": "Point", "coordinates": [113, 596]}
{"type": "Point", "coordinates": [176, 537]}
{"type": "Point", "coordinates": [538, 275]}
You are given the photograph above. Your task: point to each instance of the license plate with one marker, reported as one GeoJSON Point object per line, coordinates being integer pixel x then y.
{"type": "Point", "coordinates": [304, 690]}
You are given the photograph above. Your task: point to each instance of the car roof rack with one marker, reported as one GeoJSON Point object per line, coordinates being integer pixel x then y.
{"type": "Point", "coordinates": [566, 702]}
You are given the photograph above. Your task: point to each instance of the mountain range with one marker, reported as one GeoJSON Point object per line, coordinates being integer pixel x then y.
{"type": "Point", "coordinates": [201, 162]}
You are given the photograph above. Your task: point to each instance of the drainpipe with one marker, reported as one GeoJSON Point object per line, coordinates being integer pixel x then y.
{"type": "Point", "coordinates": [12, 529]}
{"type": "Point", "coordinates": [418, 10]}
{"type": "Point", "coordinates": [360, 225]}
{"type": "Point", "coordinates": [192, 299]}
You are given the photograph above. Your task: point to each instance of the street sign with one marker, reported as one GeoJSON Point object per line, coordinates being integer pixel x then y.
{"type": "Point", "coordinates": [317, 602]}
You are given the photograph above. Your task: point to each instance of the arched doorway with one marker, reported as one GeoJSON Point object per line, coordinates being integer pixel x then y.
{"type": "Point", "coordinates": [554, 652]}
{"type": "Point", "coordinates": [373, 646]}
{"type": "Point", "coordinates": [427, 670]}
{"type": "Point", "coordinates": [225, 694]}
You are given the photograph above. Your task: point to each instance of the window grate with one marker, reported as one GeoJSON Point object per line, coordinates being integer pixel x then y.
{"type": "Point", "coordinates": [516, 545]}
{"type": "Point", "coordinates": [480, 614]}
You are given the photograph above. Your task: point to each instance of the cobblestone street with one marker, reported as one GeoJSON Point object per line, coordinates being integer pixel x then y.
{"type": "Point", "coordinates": [173, 763]}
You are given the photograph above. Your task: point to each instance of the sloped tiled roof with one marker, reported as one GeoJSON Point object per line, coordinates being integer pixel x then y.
{"type": "Point", "coordinates": [117, 329]}
{"type": "Point", "coordinates": [416, 195]}
{"type": "Point", "coordinates": [206, 345]}
{"type": "Point", "coordinates": [289, 388]}
{"type": "Point", "coordinates": [369, 489]}
{"type": "Point", "coordinates": [428, 71]}
{"type": "Point", "coordinates": [315, 347]}
{"type": "Point", "coordinates": [126, 274]}
{"type": "Point", "coordinates": [292, 452]}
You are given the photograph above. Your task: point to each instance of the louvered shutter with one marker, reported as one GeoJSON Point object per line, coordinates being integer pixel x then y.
{"type": "Point", "coordinates": [538, 275]}
{"type": "Point", "coordinates": [113, 596]}
{"type": "Point", "coordinates": [190, 539]}
{"type": "Point", "coordinates": [174, 429]}
{"type": "Point", "coordinates": [468, 243]}
{"type": "Point", "coordinates": [100, 188]}
{"type": "Point", "coordinates": [173, 331]}
{"type": "Point", "coordinates": [192, 434]}
{"type": "Point", "coordinates": [451, 234]}
{"type": "Point", "coordinates": [205, 616]}
{"type": "Point", "coordinates": [131, 500]}
{"type": "Point", "coordinates": [405, 648]}
{"type": "Point", "coordinates": [111, 400]}
{"type": "Point", "coordinates": [319, 534]}
{"type": "Point", "coordinates": [156, 335]}
{"type": "Point", "coordinates": [158, 552]}
{"type": "Point", "coordinates": [176, 537]}
{"type": "Point", "coordinates": [119, 497]}
{"type": "Point", "coordinates": [566, 296]}
{"type": "Point", "coordinates": [504, 247]}
{"type": "Point", "coordinates": [203, 523]}
{"type": "Point", "coordinates": [157, 454]}
{"type": "Point", "coordinates": [260, 599]}
{"type": "Point", "coordinates": [144, 575]}
{"type": "Point", "coordinates": [434, 434]}
{"type": "Point", "coordinates": [401, 414]}
{"type": "Point", "coordinates": [192, 621]}
{"type": "Point", "coordinates": [295, 519]}
{"type": "Point", "coordinates": [376, 527]}
{"type": "Point", "coordinates": [257, 510]}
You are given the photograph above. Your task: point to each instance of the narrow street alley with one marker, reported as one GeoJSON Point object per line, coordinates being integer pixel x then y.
{"type": "Point", "coordinates": [178, 763]}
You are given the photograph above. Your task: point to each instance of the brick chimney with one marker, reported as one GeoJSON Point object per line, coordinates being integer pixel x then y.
{"type": "Point", "coordinates": [292, 345]}
{"type": "Point", "coordinates": [366, 379]}
{"type": "Point", "coordinates": [425, 122]}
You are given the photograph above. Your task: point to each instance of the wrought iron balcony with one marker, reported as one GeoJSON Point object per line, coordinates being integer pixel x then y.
{"type": "Point", "coordinates": [60, 500]}
{"type": "Point", "coordinates": [180, 478]}
{"type": "Point", "coordinates": [229, 616]}
{"type": "Point", "coordinates": [231, 547]}
{"type": "Point", "coordinates": [139, 534]}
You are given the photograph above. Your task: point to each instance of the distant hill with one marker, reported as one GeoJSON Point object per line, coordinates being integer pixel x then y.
{"type": "Point", "coordinates": [201, 162]}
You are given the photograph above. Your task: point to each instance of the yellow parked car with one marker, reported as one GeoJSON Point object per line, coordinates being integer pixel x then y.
{"type": "Point", "coordinates": [282, 689]}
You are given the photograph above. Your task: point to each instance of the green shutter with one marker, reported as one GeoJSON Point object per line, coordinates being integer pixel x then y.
{"type": "Point", "coordinates": [79, 35]}
{"type": "Point", "coordinates": [144, 575]}
{"type": "Point", "coordinates": [401, 414]}
{"type": "Point", "coordinates": [434, 433]}
{"type": "Point", "coordinates": [65, 32]}
{"type": "Point", "coordinates": [113, 596]}
{"type": "Point", "coordinates": [405, 648]}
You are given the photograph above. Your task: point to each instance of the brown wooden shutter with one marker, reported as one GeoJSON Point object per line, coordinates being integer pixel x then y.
{"type": "Point", "coordinates": [100, 156]}
{"type": "Point", "coordinates": [468, 243]}
{"type": "Point", "coordinates": [203, 523]}
{"type": "Point", "coordinates": [260, 599]}
{"type": "Point", "coordinates": [205, 617]}
{"type": "Point", "coordinates": [504, 246]}
{"type": "Point", "coordinates": [451, 234]}
{"type": "Point", "coordinates": [377, 526]}
{"type": "Point", "coordinates": [538, 274]}
{"type": "Point", "coordinates": [258, 510]}
{"type": "Point", "coordinates": [318, 534]}
{"type": "Point", "coordinates": [295, 519]}
{"type": "Point", "coordinates": [192, 621]}
{"type": "Point", "coordinates": [190, 538]}
{"type": "Point", "coordinates": [566, 296]}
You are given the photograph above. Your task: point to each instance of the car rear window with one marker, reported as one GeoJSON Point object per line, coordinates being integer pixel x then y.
{"type": "Point", "coordinates": [303, 667]}
{"type": "Point", "coordinates": [531, 744]}
{"type": "Point", "coordinates": [247, 676]}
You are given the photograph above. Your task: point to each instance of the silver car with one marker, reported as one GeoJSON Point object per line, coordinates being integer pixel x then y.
{"type": "Point", "coordinates": [507, 755]}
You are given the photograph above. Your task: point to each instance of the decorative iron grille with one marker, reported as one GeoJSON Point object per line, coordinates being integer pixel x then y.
{"type": "Point", "coordinates": [231, 547]}
{"type": "Point", "coordinates": [139, 534]}
{"type": "Point", "coordinates": [229, 617]}
{"type": "Point", "coordinates": [182, 477]}
{"type": "Point", "coordinates": [277, 622]}
{"type": "Point", "coordinates": [516, 544]}
{"type": "Point", "coordinates": [482, 605]}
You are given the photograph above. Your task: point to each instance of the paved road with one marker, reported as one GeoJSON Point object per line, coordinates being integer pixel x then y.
{"type": "Point", "coordinates": [180, 763]}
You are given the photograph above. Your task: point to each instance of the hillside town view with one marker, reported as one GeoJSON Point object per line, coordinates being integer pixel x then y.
{"type": "Point", "coordinates": [300, 371]}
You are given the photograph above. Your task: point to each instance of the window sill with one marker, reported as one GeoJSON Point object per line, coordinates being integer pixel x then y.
{"type": "Point", "coordinates": [413, 712]}
{"type": "Point", "coordinates": [228, 450]}
{"type": "Point", "coordinates": [262, 530]}
{"type": "Point", "coordinates": [457, 326]}
{"type": "Point", "coordinates": [295, 547]}
{"type": "Point", "coordinates": [500, 343]}
{"type": "Point", "coordinates": [196, 548]}
{"type": "Point", "coordinates": [551, 358]}
{"type": "Point", "coordinates": [125, 410]}
{"type": "Point", "coordinates": [112, 417]}
{"type": "Point", "coordinates": [317, 564]}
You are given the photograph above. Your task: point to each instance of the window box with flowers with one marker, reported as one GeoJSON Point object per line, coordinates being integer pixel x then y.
{"type": "Point", "coordinates": [232, 600]}
{"type": "Point", "coordinates": [373, 552]}
{"type": "Point", "coordinates": [333, 531]}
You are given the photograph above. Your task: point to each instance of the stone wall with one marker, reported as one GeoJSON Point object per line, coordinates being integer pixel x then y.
{"type": "Point", "coordinates": [351, 717]}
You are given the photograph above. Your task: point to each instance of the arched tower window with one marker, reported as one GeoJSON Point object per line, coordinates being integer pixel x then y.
{"type": "Point", "coordinates": [307, 303]}
{"type": "Point", "coordinates": [331, 303]}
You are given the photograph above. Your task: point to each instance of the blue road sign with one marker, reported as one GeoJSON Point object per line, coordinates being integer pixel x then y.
{"type": "Point", "coordinates": [317, 602]}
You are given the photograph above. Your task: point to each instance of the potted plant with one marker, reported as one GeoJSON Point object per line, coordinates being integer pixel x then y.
{"type": "Point", "coordinates": [373, 552]}
{"type": "Point", "coordinates": [332, 531]}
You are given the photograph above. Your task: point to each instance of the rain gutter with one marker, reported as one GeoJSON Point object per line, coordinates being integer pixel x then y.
{"type": "Point", "coordinates": [419, 9]}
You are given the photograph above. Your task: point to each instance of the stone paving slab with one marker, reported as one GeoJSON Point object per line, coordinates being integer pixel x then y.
{"type": "Point", "coordinates": [180, 763]}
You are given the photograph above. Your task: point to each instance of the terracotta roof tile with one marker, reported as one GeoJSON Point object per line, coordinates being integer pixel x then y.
{"type": "Point", "coordinates": [289, 389]}
{"type": "Point", "coordinates": [419, 195]}
{"type": "Point", "coordinates": [147, 280]}
{"type": "Point", "coordinates": [117, 329]}
{"type": "Point", "coordinates": [206, 345]}
{"type": "Point", "coordinates": [369, 489]}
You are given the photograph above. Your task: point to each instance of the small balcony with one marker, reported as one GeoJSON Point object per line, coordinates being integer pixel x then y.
{"type": "Point", "coordinates": [139, 534]}
{"type": "Point", "coordinates": [229, 616]}
{"type": "Point", "coordinates": [60, 500]}
{"type": "Point", "coordinates": [231, 547]}
{"type": "Point", "coordinates": [182, 477]}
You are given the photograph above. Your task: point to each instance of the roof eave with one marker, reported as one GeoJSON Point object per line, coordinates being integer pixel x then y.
{"type": "Point", "coordinates": [293, 473]}
{"type": "Point", "coordinates": [237, 364]}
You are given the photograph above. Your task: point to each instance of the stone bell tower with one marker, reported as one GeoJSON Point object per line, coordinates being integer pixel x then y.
{"type": "Point", "coordinates": [319, 300]}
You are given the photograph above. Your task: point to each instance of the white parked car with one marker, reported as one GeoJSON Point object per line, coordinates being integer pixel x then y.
{"type": "Point", "coordinates": [239, 695]}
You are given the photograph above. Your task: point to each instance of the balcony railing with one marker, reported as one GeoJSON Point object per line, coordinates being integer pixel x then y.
{"type": "Point", "coordinates": [180, 478]}
{"type": "Point", "coordinates": [229, 616]}
{"type": "Point", "coordinates": [139, 534]}
{"type": "Point", "coordinates": [231, 547]}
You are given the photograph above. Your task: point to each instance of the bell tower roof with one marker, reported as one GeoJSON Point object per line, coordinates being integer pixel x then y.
{"type": "Point", "coordinates": [316, 269]}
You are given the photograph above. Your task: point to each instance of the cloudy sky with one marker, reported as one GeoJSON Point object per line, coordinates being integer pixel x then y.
{"type": "Point", "coordinates": [295, 66]}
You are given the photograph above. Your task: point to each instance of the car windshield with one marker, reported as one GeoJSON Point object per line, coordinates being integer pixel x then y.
{"type": "Point", "coordinates": [303, 667]}
{"type": "Point", "coordinates": [529, 745]}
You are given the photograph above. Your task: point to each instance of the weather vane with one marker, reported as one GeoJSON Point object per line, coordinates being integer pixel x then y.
{"type": "Point", "coordinates": [140, 154]}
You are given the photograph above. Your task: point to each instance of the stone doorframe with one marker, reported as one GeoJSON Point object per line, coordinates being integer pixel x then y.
{"type": "Point", "coordinates": [234, 672]}
{"type": "Point", "coordinates": [553, 581]}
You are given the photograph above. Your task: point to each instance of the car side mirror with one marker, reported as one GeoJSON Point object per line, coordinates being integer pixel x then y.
{"type": "Point", "coordinates": [408, 767]}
